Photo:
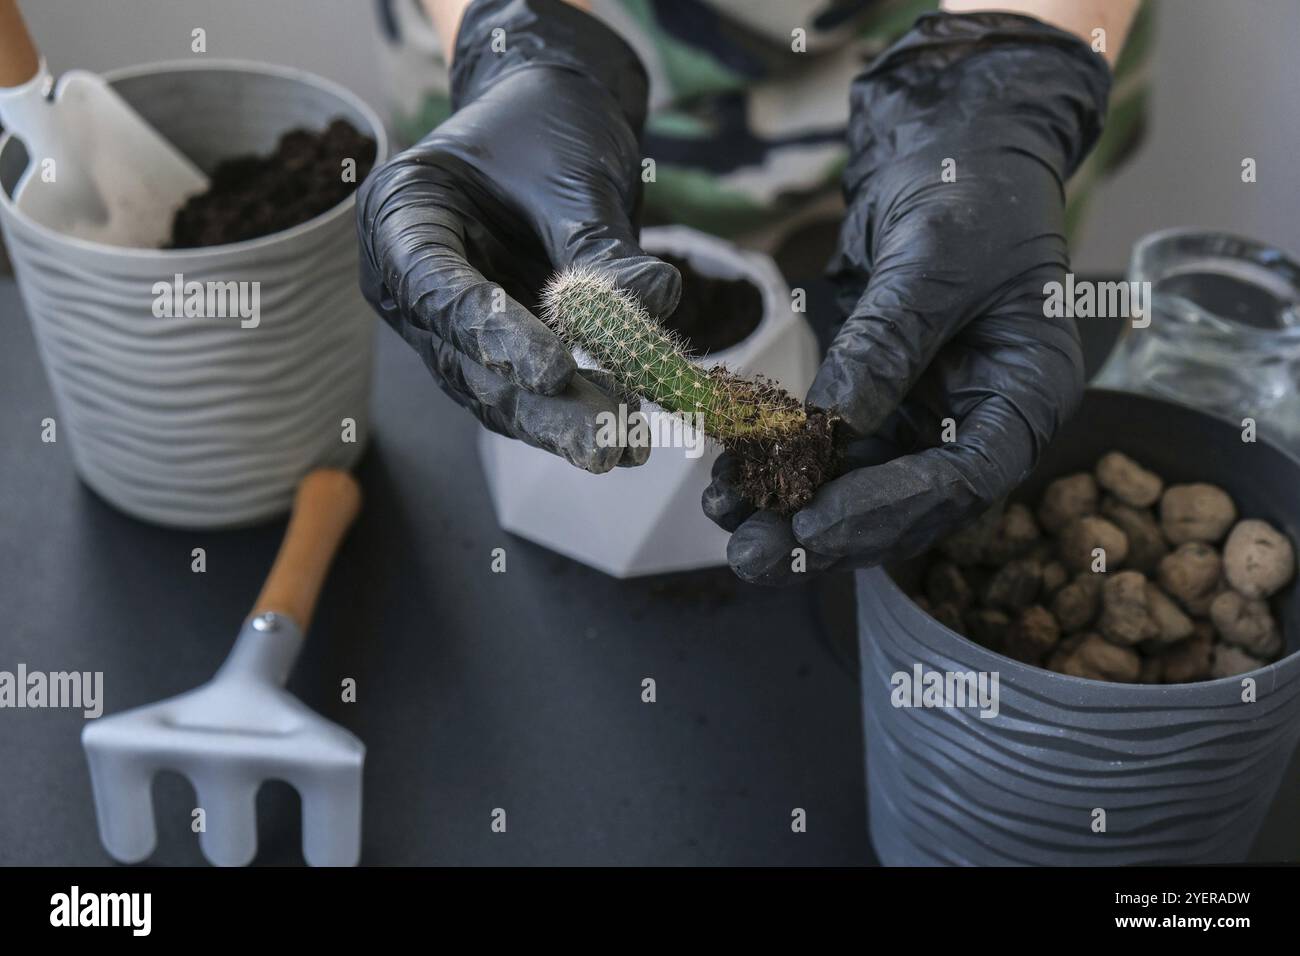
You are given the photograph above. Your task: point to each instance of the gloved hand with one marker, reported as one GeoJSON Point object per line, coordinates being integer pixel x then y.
{"type": "Point", "coordinates": [943, 284]}
{"type": "Point", "coordinates": [537, 169]}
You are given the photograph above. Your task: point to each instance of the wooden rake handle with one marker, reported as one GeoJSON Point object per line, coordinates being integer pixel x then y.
{"type": "Point", "coordinates": [324, 507]}
{"type": "Point", "coordinates": [19, 60]}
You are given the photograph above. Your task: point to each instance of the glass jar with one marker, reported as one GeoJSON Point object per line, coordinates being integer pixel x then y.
{"type": "Point", "coordinates": [1224, 332]}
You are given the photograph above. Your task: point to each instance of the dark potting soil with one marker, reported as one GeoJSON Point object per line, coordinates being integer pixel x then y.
{"type": "Point", "coordinates": [713, 313]}
{"type": "Point", "coordinates": [784, 477]}
{"type": "Point", "coordinates": [254, 196]}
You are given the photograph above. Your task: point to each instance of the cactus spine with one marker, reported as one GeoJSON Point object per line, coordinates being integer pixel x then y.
{"type": "Point", "coordinates": [587, 311]}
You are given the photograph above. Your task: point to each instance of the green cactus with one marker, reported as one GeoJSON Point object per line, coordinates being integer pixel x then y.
{"type": "Point", "coordinates": [786, 451]}
{"type": "Point", "coordinates": [587, 311]}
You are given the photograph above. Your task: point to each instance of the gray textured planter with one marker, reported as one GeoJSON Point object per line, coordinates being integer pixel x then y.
{"type": "Point", "coordinates": [200, 422]}
{"type": "Point", "coordinates": [1185, 773]}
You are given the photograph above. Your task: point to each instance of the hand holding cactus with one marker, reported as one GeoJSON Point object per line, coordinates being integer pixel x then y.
{"type": "Point", "coordinates": [536, 170]}
{"type": "Point", "coordinates": [786, 450]}
{"type": "Point", "coordinates": [948, 374]}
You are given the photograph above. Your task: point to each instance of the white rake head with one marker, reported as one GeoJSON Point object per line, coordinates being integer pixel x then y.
{"type": "Point", "coordinates": [228, 736]}
{"type": "Point", "coordinates": [242, 727]}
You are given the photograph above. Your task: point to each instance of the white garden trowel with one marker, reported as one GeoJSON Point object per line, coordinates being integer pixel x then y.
{"type": "Point", "coordinates": [242, 727]}
{"type": "Point", "coordinates": [95, 169]}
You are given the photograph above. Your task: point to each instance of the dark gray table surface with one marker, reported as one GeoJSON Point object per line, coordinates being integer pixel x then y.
{"type": "Point", "coordinates": [476, 690]}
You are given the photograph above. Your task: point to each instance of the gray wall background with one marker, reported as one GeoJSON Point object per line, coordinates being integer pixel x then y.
{"type": "Point", "coordinates": [1226, 85]}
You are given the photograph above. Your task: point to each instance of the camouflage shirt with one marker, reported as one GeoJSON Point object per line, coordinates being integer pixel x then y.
{"type": "Point", "coordinates": [748, 100]}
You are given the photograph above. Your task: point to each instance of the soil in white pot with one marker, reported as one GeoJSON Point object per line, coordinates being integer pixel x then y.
{"type": "Point", "coordinates": [713, 313]}
{"type": "Point", "coordinates": [254, 196]}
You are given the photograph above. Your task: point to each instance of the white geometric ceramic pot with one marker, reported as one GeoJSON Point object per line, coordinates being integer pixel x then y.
{"type": "Point", "coordinates": [205, 421]}
{"type": "Point", "coordinates": [647, 520]}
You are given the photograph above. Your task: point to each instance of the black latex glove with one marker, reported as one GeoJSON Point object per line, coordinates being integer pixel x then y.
{"type": "Point", "coordinates": [537, 169]}
{"type": "Point", "coordinates": [943, 284]}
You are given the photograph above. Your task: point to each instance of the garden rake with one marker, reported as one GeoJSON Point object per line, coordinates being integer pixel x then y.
{"type": "Point", "coordinates": [242, 726]}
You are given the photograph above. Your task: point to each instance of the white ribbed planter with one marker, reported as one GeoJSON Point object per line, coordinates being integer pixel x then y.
{"type": "Point", "coordinates": [647, 520]}
{"type": "Point", "coordinates": [199, 422]}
